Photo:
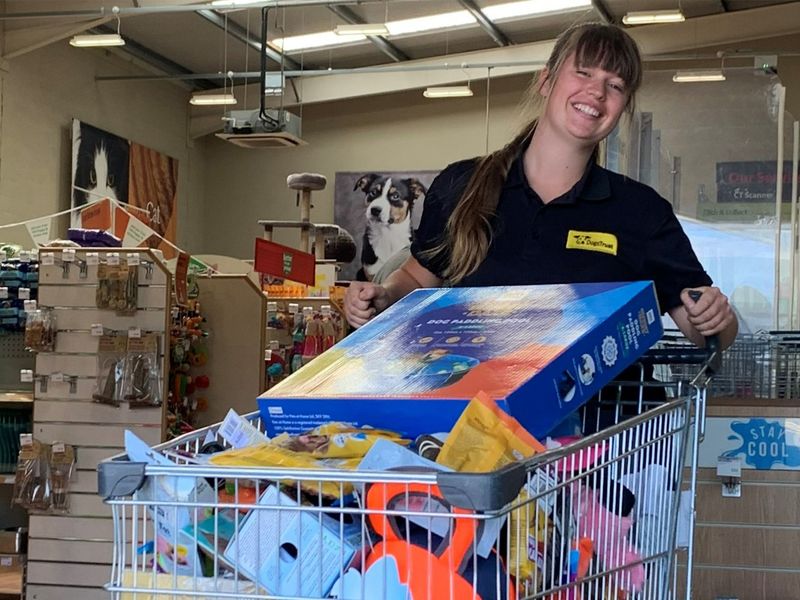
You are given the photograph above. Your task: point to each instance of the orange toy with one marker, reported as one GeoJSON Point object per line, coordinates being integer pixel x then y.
{"type": "Point", "coordinates": [434, 574]}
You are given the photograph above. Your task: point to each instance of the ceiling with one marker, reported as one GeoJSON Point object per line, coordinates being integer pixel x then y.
{"type": "Point", "coordinates": [196, 43]}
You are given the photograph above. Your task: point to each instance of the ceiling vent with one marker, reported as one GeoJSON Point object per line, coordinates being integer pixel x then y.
{"type": "Point", "coordinates": [247, 129]}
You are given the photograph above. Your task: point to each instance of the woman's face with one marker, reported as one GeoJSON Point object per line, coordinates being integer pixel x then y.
{"type": "Point", "coordinates": [584, 103]}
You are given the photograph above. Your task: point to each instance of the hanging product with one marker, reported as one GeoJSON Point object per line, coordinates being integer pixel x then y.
{"type": "Point", "coordinates": [40, 331]}
{"type": "Point", "coordinates": [118, 288]}
{"type": "Point", "coordinates": [111, 354]}
{"type": "Point", "coordinates": [142, 374]}
{"type": "Point", "coordinates": [31, 483]}
{"type": "Point", "coordinates": [62, 462]}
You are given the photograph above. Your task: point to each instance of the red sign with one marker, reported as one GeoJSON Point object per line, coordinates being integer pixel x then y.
{"type": "Point", "coordinates": [283, 261]}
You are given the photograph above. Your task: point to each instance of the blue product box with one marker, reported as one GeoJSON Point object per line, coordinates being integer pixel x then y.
{"type": "Point", "coordinates": [539, 351]}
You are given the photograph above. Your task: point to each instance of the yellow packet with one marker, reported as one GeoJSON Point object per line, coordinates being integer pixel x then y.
{"type": "Point", "coordinates": [337, 440]}
{"type": "Point", "coordinates": [486, 438]}
{"type": "Point", "coordinates": [272, 455]}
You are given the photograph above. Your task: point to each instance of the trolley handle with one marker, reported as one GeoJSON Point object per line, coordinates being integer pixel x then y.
{"type": "Point", "coordinates": [710, 355]}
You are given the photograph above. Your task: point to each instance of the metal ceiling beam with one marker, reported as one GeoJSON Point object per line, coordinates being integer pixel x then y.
{"type": "Point", "coordinates": [241, 34]}
{"type": "Point", "coordinates": [346, 14]}
{"type": "Point", "coordinates": [500, 38]}
{"type": "Point", "coordinates": [603, 11]}
{"type": "Point", "coordinates": [154, 59]}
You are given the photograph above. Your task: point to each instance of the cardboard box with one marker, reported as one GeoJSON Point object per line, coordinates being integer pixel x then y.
{"type": "Point", "coordinates": [539, 351]}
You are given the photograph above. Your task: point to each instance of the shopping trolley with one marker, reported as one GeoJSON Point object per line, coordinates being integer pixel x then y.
{"type": "Point", "coordinates": [597, 518]}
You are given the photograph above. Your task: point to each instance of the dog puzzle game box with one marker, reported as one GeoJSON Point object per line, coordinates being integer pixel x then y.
{"type": "Point", "coordinates": [539, 351]}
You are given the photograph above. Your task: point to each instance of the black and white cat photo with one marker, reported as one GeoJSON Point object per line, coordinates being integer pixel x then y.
{"type": "Point", "coordinates": [100, 167]}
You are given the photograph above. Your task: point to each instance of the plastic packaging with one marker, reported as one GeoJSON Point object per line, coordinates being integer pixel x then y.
{"type": "Point", "coordinates": [40, 331]}
{"type": "Point", "coordinates": [31, 482]}
{"type": "Point", "coordinates": [118, 288]}
{"type": "Point", "coordinates": [62, 462]}
{"type": "Point", "coordinates": [111, 354]}
{"type": "Point", "coordinates": [142, 373]}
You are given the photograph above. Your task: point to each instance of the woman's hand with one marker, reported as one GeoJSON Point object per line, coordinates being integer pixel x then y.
{"type": "Point", "coordinates": [710, 314]}
{"type": "Point", "coordinates": [363, 300]}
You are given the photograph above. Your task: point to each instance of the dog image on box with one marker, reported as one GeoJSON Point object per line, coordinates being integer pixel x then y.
{"type": "Point", "coordinates": [388, 206]}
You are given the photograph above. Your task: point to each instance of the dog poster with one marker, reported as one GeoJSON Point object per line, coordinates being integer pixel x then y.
{"type": "Point", "coordinates": [381, 210]}
{"type": "Point", "coordinates": [105, 165]}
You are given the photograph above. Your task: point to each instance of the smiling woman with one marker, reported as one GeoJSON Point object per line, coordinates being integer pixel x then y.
{"type": "Point", "coordinates": [541, 210]}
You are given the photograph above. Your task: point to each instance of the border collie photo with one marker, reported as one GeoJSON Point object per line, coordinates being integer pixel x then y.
{"type": "Point", "coordinates": [381, 211]}
{"type": "Point", "coordinates": [100, 166]}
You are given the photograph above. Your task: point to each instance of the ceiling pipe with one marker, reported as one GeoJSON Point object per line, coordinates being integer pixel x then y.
{"type": "Point", "coordinates": [238, 32]}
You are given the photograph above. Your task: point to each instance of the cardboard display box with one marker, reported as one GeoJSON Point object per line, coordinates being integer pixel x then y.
{"type": "Point", "coordinates": [539, 351]}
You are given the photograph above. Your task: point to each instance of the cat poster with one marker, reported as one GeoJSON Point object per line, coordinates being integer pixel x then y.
{"type": "Point", "coordinates": [105, 165]}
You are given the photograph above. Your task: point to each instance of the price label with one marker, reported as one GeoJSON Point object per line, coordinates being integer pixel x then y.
{"type": "Point", "coordinates": [308, 311]}
{"type": "Point", "coordinates": [26, 440]}
{"type": "Point", "coordinates": [325, 310]}
{"type": "Point", "coordinates": [133, 258]}
{"type": "Point", "coordinates": [57, 377]}
{"type": "Point", "coordinates": [48, 258]}
{"type": "Point", "coordinates": [58, 448]}
{"type": "Point", "coordinates": [274, 345]}
{"type": "Point", "coordinates": [293, 307]}
{"type": "Point", "coordinates": [92, 258]}
{"type": "Point", "coordinates": [97, 329]}
{"type": "Point", "coordinates": [24, 256]}
{"type": "Point", "coordinates": [26, 375]}
{"type": "Point", "coordinates": [68, 255]}
{"type": "Point", "coordinates": [272, 307]}
{"type": "Point", "coordinates": [134, 332]}
{"type": "Point", "coordinates": [24, 293]}
{"type": "Point", "coordinates": [113, 258]}
{"type": "Point", "coordinates": [29, 306]}
{"type": "Point", "coordinates": [3, 293]}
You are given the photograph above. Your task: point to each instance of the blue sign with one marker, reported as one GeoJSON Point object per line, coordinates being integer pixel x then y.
{"type": "Point", "coordinates": [764, 443]}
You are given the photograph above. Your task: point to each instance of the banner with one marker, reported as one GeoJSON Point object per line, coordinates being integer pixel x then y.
{"type": "Point", "coordinates": [39, 230]}
{"type": "Point", "coordinates": [136, 233]}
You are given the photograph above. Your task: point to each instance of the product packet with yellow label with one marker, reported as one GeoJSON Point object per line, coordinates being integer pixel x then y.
{"type": "Point", "coordinates": [486, 438]}
{"type": "Point", "coordinates": [334, 446]}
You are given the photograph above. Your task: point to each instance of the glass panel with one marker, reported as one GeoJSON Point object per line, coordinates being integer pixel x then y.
{"type": "Point", "coordinates": [711, 149]}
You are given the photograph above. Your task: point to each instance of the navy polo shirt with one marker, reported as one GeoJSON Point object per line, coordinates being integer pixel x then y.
{"type": "Point", "coordinates": [606, 228]}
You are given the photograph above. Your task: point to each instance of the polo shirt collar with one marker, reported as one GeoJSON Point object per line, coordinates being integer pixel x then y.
{"type": "Point", "coordinates": [593, 186]}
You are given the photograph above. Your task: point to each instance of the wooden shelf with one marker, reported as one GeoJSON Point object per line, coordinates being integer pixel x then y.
{"type": "Point", "coordinates": [11, 583]}
{"type": "Point", "coordinates": [16, 398]}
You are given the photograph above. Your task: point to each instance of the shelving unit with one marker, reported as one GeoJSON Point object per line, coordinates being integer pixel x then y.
{"type": "Point", "coordinates": [75, 550]}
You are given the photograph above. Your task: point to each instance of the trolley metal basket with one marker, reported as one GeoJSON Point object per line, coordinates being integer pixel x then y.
{"type": "Point", "coordinates": [595, 519]}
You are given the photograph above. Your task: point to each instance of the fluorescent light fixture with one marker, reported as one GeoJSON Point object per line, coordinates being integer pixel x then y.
{"type": "Point", "coordinates": [310, 41]}
{"type": "Point", "coordinates": [212, 99]}
{"type": "Point", "coordinates": [448, 91]}
{"type": "Point", "coordinates": [699, 75]}
{"type": "Point", "coordinates": [647, 17]}
{"type": "Point", "coordinates": [90, 40]}
{"type": "Point", "coordinates": [362, 29]}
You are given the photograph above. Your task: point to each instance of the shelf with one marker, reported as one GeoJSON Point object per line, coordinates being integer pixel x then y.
{"type": "Point", "coordinates": [6, 479]}
{"type": "Point", "coordinates": [11, 583]}
{"type": "Point", "coordinates": [16, 398]}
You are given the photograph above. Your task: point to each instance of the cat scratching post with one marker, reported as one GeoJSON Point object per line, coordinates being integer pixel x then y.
{"type": "Point", "coordinates": [305, 183]}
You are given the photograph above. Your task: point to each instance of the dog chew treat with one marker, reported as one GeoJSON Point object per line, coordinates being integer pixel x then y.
{"type": "Point", "coordinates": [305, 183]}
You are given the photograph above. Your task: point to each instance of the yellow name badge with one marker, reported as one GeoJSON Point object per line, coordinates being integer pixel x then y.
{"type": "Point", "coordinates": [595, 241]}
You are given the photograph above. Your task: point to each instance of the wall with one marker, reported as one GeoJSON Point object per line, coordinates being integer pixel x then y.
{"type": "Point", "coordinates": [398, 132]}
{"type": "Point", "coordinates": [42, 92]}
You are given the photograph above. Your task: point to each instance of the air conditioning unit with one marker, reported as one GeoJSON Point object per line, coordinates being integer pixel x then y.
{"type": "Point", "coordinates": [246, 128]}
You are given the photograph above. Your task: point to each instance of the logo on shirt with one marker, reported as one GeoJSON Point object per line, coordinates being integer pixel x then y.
{"type": "Point", "coordinates": [595, 241]}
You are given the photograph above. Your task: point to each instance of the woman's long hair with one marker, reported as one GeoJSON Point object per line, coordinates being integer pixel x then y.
{"type": "Point", "coordinates": [468, 231]}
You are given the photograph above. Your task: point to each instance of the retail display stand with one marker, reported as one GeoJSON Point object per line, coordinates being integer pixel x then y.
{"type": "Point", "coordinates": [75, 549]}
{"type": "Point", "coordinates": [236, 311]}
